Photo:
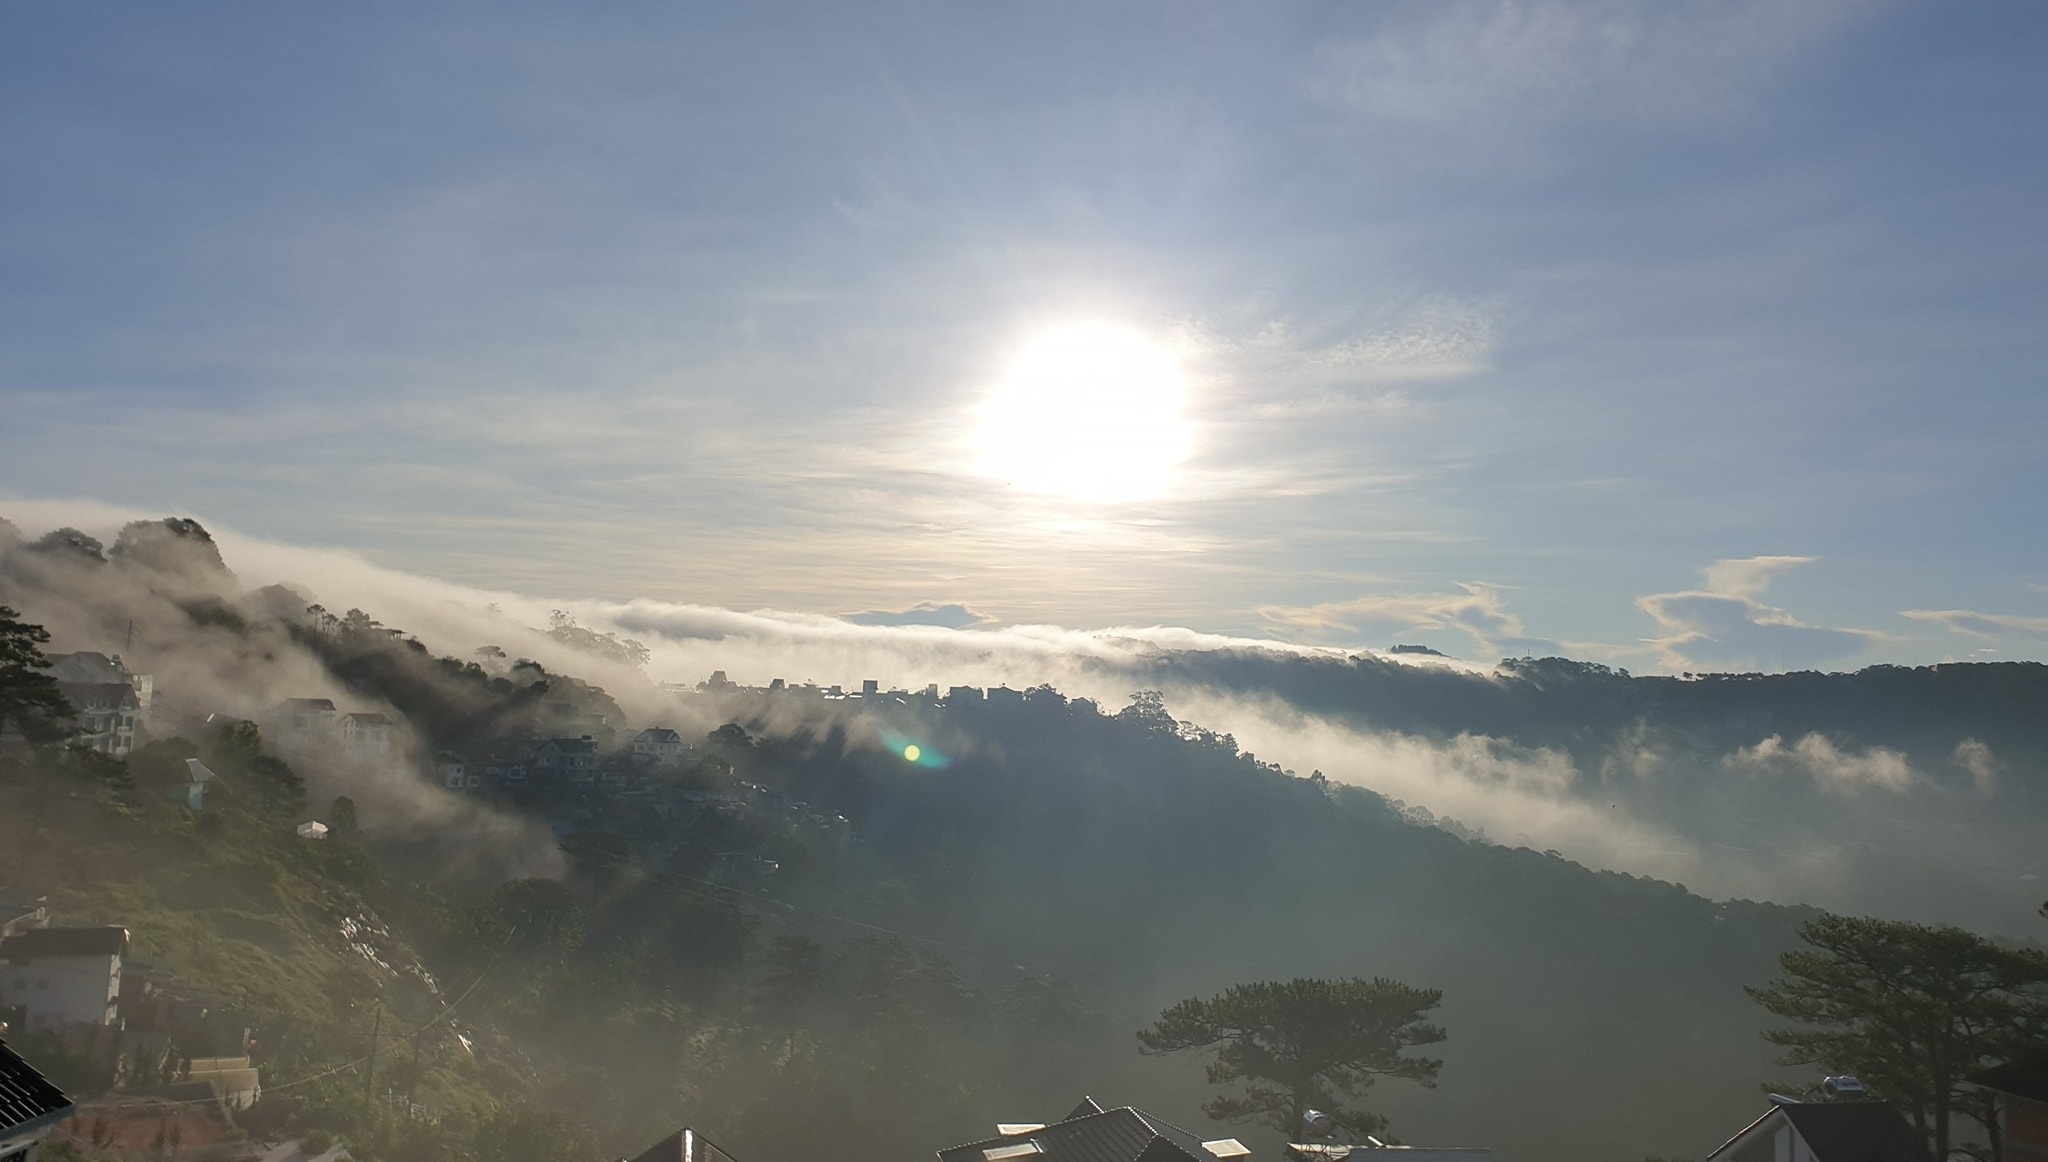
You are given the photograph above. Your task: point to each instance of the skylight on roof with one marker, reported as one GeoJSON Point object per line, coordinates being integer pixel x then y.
{"type": "Point", "coordinates": [1011, 1129]}
{"type": "Point", "coordinates": [1015, 1150]}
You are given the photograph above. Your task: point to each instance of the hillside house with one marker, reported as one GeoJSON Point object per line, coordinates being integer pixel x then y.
{"type": "Point", "coordinates": [55, 978]}
{"type": "Point", "coordinates": [456, 774]}
{"type": "Point", "coordinates": [109, 700]}
{"type": "Point", "coordinates": [658, 744]}
{"type": "Point", "coordinates": [31, 1108]}
{"type": "Point", "coordinates": [366, 737]}
{"type": "Point", "coordinates": [2020, 1091]}
{"type": "Point", "coordinates": [685, 1145]}
{"type": "Point", "coordinates": [571, 759]}
{"type": "Point", "coordinates": [1090, 1133]}
{"type": "Point", "coordinates": [1833, 1131]}
{"type": "Point", "coordinates": [302, 723]}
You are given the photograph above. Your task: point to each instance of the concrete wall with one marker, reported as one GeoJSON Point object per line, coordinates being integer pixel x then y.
{"type": "Point", "coordinates": [56, 990]}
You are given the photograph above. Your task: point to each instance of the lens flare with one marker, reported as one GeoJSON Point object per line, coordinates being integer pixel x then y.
{"type": "Point", "coordinates": [914, 752]}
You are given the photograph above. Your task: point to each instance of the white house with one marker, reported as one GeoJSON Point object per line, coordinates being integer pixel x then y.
{"type": "Point", "coordinates": [658, 744]}
{"type": "Point", "coordinates": [56, 977]}
{"type": "Point", "coordinates": [302, 724]}
{"type": "Point", "coordinates": [366, 737]}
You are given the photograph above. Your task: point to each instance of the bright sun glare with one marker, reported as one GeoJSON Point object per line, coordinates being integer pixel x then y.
{"type": "Point", "coordinates": [1092, 412]}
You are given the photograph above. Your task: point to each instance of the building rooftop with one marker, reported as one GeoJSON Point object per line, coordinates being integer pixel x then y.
{"type": "Point", "coordinates": [1090, 1134]}
{"type": "Point", "coordinates": [28, 1101]}
{"type": "Point", "coordinates": [87, 667]}
{"type": "Point", "coordinates": [366, 718]}
{"type": "Point", "coordinates": [1845, 1131]}
{"type": "Point", "coordinates": [65, 942]}
{"type": "Point", "coordinates": [685, 1145]}
{"type": "Point", "coordinates": [2027, 1078]}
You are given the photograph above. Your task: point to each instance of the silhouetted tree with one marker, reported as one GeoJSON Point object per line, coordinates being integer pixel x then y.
{"type": "Point", "coordinates": [341, 817]}
{"type": "Point", "coordinates": [1909, 1009]}
{"type": "Point", "coordinates": [1303, 1044]}
{"type": "Point", "coordinates": [29, 698]}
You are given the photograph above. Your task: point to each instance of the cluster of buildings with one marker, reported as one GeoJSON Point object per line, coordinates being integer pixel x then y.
{"type": "Point", "coordinates": [71, 981]}
{"type": "Point", "coordinates": [301, 726]}
{"type": "Point", "coordinates": [1838, 1128]}
{"type": "Point", "coordinates": [870, 693]}
{"type": "Point", "coordinates": [180, 1055]}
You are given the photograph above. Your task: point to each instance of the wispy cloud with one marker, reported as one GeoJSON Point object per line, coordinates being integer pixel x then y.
{"type": "Point", "coordinates": [1476, 611]}
{"type": "Point", "coordinates": [1531, 60]}
{"type": "Point", "coordinates": [1404, 341]}
{"type": "Point", "coordinates": [1988, 626]}
{"type": "Point", "coordinates": [1723, 625]}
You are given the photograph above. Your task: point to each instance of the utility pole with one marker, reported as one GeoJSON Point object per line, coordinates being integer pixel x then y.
{"type": "Point", "coordinates": [370, 1074]}
{"type": "Point", "coordinates": [418, 1036]}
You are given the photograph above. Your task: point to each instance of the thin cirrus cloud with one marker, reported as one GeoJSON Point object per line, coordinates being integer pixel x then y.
{"type": "Point", "coordinates": [1521, 61]}
{"type": "Point", "coordinates": [1723, 625]}
{"type": "Point", "coordinates": [1988, 626]}
{"type": "Point", "coordinates": [1476, 611]}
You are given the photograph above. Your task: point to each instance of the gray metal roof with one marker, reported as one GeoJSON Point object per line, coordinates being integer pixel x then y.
{"type": "Point", "coordinates": [1123, 1134]}
{"type": "Point", "coordinates": [1857, 1131]}
{"type": "Point", "coordinates": [27, 1099]}
{"type": "Point", "coordinates": [685, 1145]}
{"type": "Point", "coordinates": [1846, 1131]}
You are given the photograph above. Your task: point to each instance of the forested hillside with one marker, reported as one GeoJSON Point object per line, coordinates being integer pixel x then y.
{"type": "Point", "coordinates": [869, 926]}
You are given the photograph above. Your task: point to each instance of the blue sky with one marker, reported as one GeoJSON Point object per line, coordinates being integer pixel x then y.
{"type": "Point", "coordinates": [1674, 335]}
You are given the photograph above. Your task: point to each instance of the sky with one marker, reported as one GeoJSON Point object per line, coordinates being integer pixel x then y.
{"type": "Point", "coordinates": [1676, 336]}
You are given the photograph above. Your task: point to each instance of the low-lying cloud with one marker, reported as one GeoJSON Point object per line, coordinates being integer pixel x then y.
{"type": "Point", "coordinates": [1637, 799]}
{"type": "Point", "coordinates": [1833, 768]}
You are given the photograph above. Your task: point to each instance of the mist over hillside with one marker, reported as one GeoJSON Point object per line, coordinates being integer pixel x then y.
{"type": "Point", "coordinates": [1266, 812]}
{"type": "Point", "coordinates": [1912, 792]}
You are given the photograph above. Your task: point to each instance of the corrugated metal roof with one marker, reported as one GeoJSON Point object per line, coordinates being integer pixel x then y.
{"type": "Point", "coordinates": [27, 1099]}
{"type": "Point", "coordinates": [1119, 1135]}
{"type": "Point", "coordinates": [1086, 1107]}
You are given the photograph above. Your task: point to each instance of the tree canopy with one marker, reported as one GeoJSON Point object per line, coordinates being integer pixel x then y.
{"type": "Point", "coordinates": [1909, 1009]}
{"type": "Point", "coordinates": [1303, 1044]}
{"type": "Point", "coordinates": [30, 700]}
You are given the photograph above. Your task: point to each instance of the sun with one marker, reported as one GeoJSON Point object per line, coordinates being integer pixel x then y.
{"type": "Point", "coordinates": [1090, 412]}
